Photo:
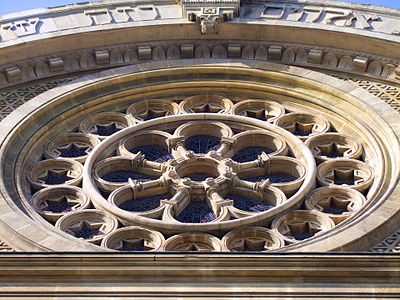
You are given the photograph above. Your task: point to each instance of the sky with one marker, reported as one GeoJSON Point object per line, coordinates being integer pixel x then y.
{"type": "Point", "coordinates": [7, 6]}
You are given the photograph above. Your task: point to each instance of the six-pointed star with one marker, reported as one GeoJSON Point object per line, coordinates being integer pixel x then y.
{"type": "Point", "coordinates": [302, 230]}
{"type": "Point", "coordinates": [207, 108]}
{"type": "Point", "coordinates": [302, 128]}
{"type": "Point", "coordinates": [135, 245]}
{"type": "Point", "coordinates": [56, 176]}
{"type": "Point", "coordinates": [73, 150]}
{"type": "Point", "coordinates": [107, 129]}
{"type": "Point", "coordinates": [86, 230]}
{"type": "Point", "coordinates": [332, 150]}
{"type": "Point", "coordinates": [251, 244]}
{"type": "Point", "coordinates": [61, 204]}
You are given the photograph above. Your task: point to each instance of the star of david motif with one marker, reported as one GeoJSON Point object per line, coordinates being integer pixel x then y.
{"type": "Point", "coordinates": [107, 129]}
{"type": "Point", "coordinates": [60, 205]}
{"type": "Point", "coordinates": [55, 176]}
{"type": "Point", "coordinates": [207, 108]}
{"type": "Point", "coordinates": [260, 114]}
{"type": "Point", "coordinates": [303, 128]}
{"type": "Point", "coordinates": [86, 230]}
{"type": "Point", "coordinates": [302, 230]}
{"type": "Point", "coordinates": [152, 113]}
{"type": "Point", "coordinates": [345, 176]}
{"type": "Point", "coordinates": [251, 244]}
{"type": "Point", "coordinates": [135, 245]}
{"type": "Point", "coordinates": [335, 205]}
{"type": "Point", "coordinates": [332, 150]}
{"type": "Point", "coordinates": [73, 150]}
{"type": "Point", "coordinates": [194, 246]}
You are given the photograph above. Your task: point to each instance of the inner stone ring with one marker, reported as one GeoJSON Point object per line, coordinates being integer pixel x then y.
{"type": "Point", "coordinates": [203, 171]}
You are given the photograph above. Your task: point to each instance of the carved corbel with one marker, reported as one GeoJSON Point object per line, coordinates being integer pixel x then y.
{"type": "Point", "coordinates": [209, 18]}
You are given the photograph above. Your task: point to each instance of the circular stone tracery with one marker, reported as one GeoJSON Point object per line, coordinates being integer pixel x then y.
{"type": "Point", "coordinates": [226, 167]}
{"type": "Point", "coordinates": [201, 181]}
{"type": "Point", "coordinates": [210, 176]}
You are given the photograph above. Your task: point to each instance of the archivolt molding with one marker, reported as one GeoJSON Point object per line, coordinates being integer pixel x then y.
{"type": "Point", "coordinates": [374, 66]}
{"type": "Point", "coordinates": [323, 92]}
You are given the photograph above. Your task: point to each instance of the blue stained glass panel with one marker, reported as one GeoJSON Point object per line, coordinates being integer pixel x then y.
{"type": "Point", "coordinates": [153, 152]}
{"type": "Point", "coordinates": [123, 176]}
{"type": "Point", "coordinates": [250, 153]}
{"type": "Point", "coordinates": [274, 178]}
{"type": "Point", "coordinates": [143, 204]}
{"type": "Point", "coordinates": [196, 212]}
{"type": "Point", "coordinates": [249, 204]}
{"type": "Point", "coordinates": [202, 143]}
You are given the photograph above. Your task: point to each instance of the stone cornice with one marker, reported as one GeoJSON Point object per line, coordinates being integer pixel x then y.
{"type": "Point", "coordinates": [338, 266]}
{"type": "Point", "coordinates": [310, 276]}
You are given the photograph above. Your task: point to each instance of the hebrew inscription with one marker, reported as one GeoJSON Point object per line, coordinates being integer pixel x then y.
{"type": "Point", "coordinates": [330, 16]}
{"type": "Point", "coordinates": [20, 28]}
{"type": "Point", "coordinates": [85, 18]}
{"type": "Point", "coordinates": [325, 16]}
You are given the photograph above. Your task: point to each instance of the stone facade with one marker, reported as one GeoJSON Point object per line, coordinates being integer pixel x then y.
{"type": "Point", "coordinates": [200, 127]}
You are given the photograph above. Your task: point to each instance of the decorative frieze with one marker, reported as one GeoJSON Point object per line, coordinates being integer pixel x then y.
{"type": "Point", "coordinates": [12, 98]}
{"type": "Point", "coordinates": [389, 93]}
{"type": "Point", "coordinates": [330, 59]}
{"type": "Point", "coordinates": [390, 245]}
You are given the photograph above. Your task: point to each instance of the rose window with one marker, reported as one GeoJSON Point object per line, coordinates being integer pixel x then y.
{"type": "Point", "coordinates": [241, 180]}
{"type": "Point", "coordinates": [194, 167]}
{"type": "Point", "coordinates": [200, 185]}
